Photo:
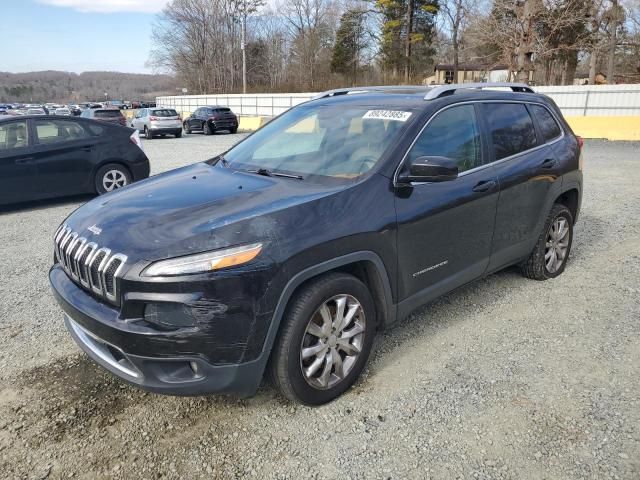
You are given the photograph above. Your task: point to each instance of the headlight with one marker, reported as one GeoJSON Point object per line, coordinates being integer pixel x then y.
{"type": "Point", "coordinates": [204, 262]}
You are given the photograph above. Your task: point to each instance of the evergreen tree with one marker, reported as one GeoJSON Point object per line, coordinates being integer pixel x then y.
{"type": "Point", "coordinates": [350, 41]}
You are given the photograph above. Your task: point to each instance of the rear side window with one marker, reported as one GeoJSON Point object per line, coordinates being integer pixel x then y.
{"type": "Point", "coordinates": [222, 110]}
{"type": "Point", "coordinates": [548, 125]}
{"type": "Point", "coordinates": [56, 131]}
{"type": "Point", "coordinates": [452, 133]}
{"type": "Point", "coordinates": [108, 113]}
{"type": "Point", "coordinates": [165, 112]}
{"type": "Point", "coordinates": [511, 128]}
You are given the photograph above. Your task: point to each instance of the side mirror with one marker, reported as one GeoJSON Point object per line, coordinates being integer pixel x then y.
{"type": "Point", "coordinates": [430, 169]}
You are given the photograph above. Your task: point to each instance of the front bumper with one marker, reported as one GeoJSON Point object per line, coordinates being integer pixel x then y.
{"type": "Point", "coordinates": [173, 362]}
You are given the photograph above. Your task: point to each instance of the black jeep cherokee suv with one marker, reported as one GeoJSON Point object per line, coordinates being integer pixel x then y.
{"type": "Point", "coordinates": [289, 251]}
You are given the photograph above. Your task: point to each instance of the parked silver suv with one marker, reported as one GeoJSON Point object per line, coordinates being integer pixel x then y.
{"type": "Point", "coordinates": [157, 121]}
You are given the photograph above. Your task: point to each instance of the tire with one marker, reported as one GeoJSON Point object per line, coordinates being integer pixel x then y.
{"type": "Point", "coordinates": [208, 129]}
{"type": "Point", "coordinates": [178, 134]}
{"type": "Point", "coordinates": [147, 134]}
{"type": "Point", "coordinates": [286, 364]}
{"type": "Point", "coordinates": [557, 249]}
{"type": "Point", "coordinates": [186, 127]}
{"type": "Point", "coordinates": [119, 175]}
{"type": "Point", "coordinates": [234, 130]}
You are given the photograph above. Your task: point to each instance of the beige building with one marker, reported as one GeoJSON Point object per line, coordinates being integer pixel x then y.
{"type": "Point", "coordinates": [469, 72]}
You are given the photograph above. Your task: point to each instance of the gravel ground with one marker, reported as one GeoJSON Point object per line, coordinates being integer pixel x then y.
{"type": "Point", "coordinates": [506, 378]}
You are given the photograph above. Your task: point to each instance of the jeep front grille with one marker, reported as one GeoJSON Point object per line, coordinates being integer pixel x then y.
{"type": "Point", "coordinates": [94, 268]}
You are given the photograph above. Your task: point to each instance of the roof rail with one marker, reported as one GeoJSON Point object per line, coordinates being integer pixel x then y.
{"type": "Point", "coordinates": [380, 88]}
{"type": "Point", "coordinates": [442, 90]}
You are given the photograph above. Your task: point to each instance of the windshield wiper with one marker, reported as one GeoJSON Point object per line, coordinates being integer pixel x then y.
{"type": "Point", "coordinates": [268, 173]}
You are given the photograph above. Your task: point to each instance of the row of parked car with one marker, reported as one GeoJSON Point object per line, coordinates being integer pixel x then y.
{"type": "Point", "coordinates": [43, 156]}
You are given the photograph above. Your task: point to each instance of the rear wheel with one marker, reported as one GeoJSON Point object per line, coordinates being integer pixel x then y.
{"type": "Point", "coordinates": [550, 255]}
{"type": "Point", "coordinates": [325, 339]}
{"type": "Point", "coordinates": [147, 134]}
{"type": "Point", "coordinates": [208, 129]}
{"type": "Point", "coordinates": [178, 133]}
{"type": "Point", "coordinates": [234, 130]}
{"type": "Point", "coordinates": [111, 177]}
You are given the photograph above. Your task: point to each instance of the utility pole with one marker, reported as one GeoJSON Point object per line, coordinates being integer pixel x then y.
{"type": "Point", "coordinates": [407, 42]}
{"type": "Point", "coordinates": [242, 46]}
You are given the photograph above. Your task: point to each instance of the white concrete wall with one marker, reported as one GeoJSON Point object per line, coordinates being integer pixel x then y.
{"type": "Point", "coordinates": [573, 100]}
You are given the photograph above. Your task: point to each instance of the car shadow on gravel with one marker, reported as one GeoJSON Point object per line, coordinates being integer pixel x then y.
{"type": "Point", "coordinates": [25, 207]}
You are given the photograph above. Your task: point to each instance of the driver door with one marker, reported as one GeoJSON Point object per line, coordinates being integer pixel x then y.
{"type": "Point", "coordinates": [445, 229]}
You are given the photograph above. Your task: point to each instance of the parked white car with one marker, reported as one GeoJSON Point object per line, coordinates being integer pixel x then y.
{"type": "Point", "coordinates": [157, 121]}
{"type": "Point", "coordinates": [62, 111]}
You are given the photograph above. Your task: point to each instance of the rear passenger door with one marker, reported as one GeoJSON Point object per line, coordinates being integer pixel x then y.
{"type": "Point", "coordinates": [527, 171]}
{"type": "Point", "coordinates": [63, 154]}
{"type": "Point", "coordinates": [445, 228]}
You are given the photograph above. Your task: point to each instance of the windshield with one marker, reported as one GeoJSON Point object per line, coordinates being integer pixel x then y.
{"type": "Point", "coordinates": [108, 113]}
{"type": "Point", "coordinates": [332, 141]}
{"type": "Point", "coordinates": [164, 113]}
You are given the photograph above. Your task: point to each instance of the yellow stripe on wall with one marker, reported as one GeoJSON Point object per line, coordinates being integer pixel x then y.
{"type": "Point", "coordinates": [611, 128]}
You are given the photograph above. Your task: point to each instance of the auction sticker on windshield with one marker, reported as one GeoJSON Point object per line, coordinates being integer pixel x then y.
{"type": "Point", "coordinates": [388, 115]}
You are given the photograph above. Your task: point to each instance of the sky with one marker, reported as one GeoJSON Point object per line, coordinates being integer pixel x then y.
{"type": "Point", "coordinates": [77, 35]}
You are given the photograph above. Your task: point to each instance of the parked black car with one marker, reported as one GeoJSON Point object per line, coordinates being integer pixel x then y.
{"type": "Point", "coordinates": [106, 115]}
{"type": "Point", "coordinates": [337, 218]}
{"type": "Point", "coordinates": [49, 156]}
{"type": "Point", "coordinates": [209, 120]}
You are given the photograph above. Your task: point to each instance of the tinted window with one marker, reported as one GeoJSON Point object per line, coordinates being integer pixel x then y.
{"type": "Point", "coordinates": [548, 125]}
{"type": "Point", "coordinates": [108, 113]}
{"type": "Point", "coordinates": [511, 128]}
{"type": "Point", "coordinates": [452, 133]}
{"type": "Point", "coordinates": [222, 110]}
{"type": "Point", "coordinates": [55, 131]}
{"type": "Point", "coordinates": [165, 112]}
{"type": "Point", "coordinates": [13, 135]}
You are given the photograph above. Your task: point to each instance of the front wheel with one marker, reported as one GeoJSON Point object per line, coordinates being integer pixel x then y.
{"type": "Point", "coordinates": [550, 255]}
{"type": "Point", "coordinates": [325, 339]}
{"type": "Point", "coordinates": [234, 130]}
{"type": "Point", "coordinates": [208, 129]}
{"type": "Point", "coordinates": [111, 177]}
{"type": "Point", "coordinates": [186, 127]}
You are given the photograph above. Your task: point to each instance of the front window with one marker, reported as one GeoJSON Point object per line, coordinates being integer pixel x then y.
{"type": "Point", "coordinates": [325, 141]}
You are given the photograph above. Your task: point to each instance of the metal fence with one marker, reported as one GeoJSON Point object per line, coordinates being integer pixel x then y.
{"type": "Point", "coordinates": [582, 100]}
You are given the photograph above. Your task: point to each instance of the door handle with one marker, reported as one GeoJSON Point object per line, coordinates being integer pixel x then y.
{"type": "Point", "coordinates": [23, 160]}
{"type": "Point", "coordinates": [484, 185]}
{"type": "Point", "coordinates": [548, 163]}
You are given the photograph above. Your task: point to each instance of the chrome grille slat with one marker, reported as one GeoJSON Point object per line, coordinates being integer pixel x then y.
{"type": "Point", "coordinates": [93, 267]}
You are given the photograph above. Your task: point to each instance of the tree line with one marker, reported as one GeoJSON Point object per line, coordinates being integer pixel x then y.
{"type": "Point", "coordinates": [68, 87]}
{"type": "Point", "coordinates": [310, 45]}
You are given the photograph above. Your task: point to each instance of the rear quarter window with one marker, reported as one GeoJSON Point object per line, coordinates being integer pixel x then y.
{"type": "Point", "coordinates": [549, 127]}
{"type": "Point", "coordinates": [511, 128]}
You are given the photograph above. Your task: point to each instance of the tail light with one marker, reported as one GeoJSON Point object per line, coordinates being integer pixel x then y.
{"type": "Point", "coordinates": [153, 119]}
{"type": "Point", "coordinates": [135, 139]}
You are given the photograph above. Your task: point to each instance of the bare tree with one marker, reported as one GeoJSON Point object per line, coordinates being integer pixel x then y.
{"type": "Point", "coordinates": [455, 14]}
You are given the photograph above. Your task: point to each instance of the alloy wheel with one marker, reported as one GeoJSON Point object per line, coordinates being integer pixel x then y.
{"type": "Point", "coordinates": [113, 179]}
{"type": "Point", "coordinates": [557, 244]}
{"type": "Point", "coordinates": [332, 341]}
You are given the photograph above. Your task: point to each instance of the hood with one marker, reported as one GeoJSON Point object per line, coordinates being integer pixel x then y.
{"type": "Point", "coordinates": [189, 210]}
